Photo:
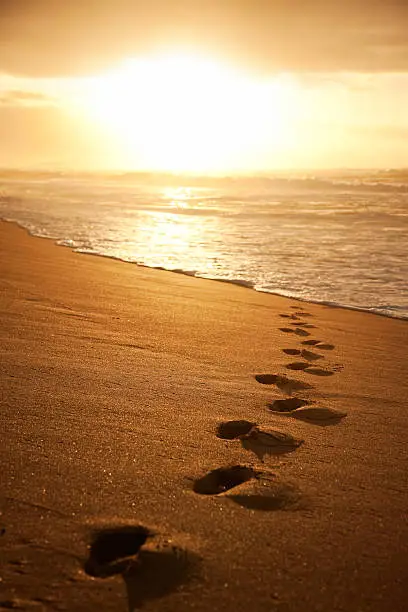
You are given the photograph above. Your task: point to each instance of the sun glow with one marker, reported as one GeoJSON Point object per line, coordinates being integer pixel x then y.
{"type": "Point", "coordinates": [184, 113]}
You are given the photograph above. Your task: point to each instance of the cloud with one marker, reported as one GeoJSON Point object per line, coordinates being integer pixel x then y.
{"type": "Point", "coordinates": [24, 98]}
{"type": "Point", "coordinates": [51, 38]}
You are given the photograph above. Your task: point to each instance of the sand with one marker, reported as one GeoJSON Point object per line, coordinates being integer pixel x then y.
{"type": "Point", "coordinates": [117, 491]}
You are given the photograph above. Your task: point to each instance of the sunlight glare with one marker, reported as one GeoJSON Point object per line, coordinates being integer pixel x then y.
{"type": "Point", "coordinates": [177, 197]}
{"type": "Point", "coordinates": [184, 113]}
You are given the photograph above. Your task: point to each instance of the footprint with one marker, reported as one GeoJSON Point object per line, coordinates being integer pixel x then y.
{"type": "Point", "coordinates": [287, 385]}
{"type": "Point", "coordinates": [263, 443]}
{"type": "Point", "coordinates": [290, 386]}
{"type": "Point", "coordinates": [287, 405]}
{"type": "Point", "coordinates": [298, 365]}
{"type": "Point", "coordinates": [310, 342]}
{"type": "Point", "coordinates": [260, 442]}
{"type": "Point", "coordinates": [158, 573]}
{"type": "Point", "coordinates": [301, 312]}
{"type": "Point", "coordinates": [112, 547]}
{"type": "Point", "coordinates": [326, 347]}
{"type": "Point", "coordinates": [290, 351]}
{"type": "Point", "coordinates": [301, 323]}
{"type": "Point", "coordinates": [299, 331]}
{"type": "Point", "coordinates": [149, 572]}
{"type": "Point", "coordinates": [224, 478]}
{"type": "Point", "coordinates": [310, 356]}
{"type": "Point", "coordinates": [277, 496]}
{"type": "Point", "coordinates": [19, 566]}
{"type": "Point", "coordinates": [287, 330]}
{"type": "Point", "coordinates": [268, 379]}
{"type": "Point", "coordinates": [304, 325]}
{"type": "Point", "coordinates": [21, 604]}
{"type": "Point", "coordinates": [319, 372]}
{"type": "Point", "coordinates": [317, 416]}
{"type": "Point", "coordinates": [288, 316]}
{"type": "Point", "coordinates": [234, 429]}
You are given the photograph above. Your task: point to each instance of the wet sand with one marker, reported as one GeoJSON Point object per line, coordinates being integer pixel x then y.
{"type": "Point", "coordinates": [174, 443]}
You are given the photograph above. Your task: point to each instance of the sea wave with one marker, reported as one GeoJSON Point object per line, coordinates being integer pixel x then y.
{"type": "Point", "coordinates": [335, 249]}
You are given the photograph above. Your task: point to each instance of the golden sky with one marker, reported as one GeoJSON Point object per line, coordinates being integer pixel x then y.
{"type": "Point", "coordinates": [211, 86]}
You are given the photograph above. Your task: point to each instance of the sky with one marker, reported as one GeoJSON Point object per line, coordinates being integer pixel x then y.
{"type": "Point", "coordinates": [203, 86]}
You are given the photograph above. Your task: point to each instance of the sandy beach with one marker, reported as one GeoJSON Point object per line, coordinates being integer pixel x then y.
{"type": "Point", "coordinates": [116, 383]}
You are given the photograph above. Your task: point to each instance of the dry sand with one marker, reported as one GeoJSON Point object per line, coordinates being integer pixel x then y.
{"type": "Point", "coordinates": [115, 379]}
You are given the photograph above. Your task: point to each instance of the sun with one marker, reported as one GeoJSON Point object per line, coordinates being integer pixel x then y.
{"type": "Point", "coordinates": [186, 113]}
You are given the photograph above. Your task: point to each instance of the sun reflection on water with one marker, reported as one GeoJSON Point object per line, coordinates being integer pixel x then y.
{"type": "Point", "coordinates": [178, 197]}
{"type": "Point", "coordinates": [166, 229]}
{"type": "Point", "coordinates": [179, 231]}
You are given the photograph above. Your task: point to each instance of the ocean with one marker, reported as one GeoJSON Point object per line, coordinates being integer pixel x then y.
{"type": "Point", "coordinates": [340, 240]}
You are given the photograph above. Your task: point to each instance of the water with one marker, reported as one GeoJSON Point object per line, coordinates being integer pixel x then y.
{"type": "Point", "coordinates": [330, 241]}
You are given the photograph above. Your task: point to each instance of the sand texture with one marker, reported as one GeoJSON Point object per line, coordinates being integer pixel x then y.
{"type": "Point", "coordinates": [171, 443]}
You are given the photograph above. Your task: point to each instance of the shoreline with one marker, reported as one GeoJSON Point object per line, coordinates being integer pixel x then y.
{"type": "Point", "coordinates": [116, 381]}
{"type": "Point", "coordinates": [192, 274]}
